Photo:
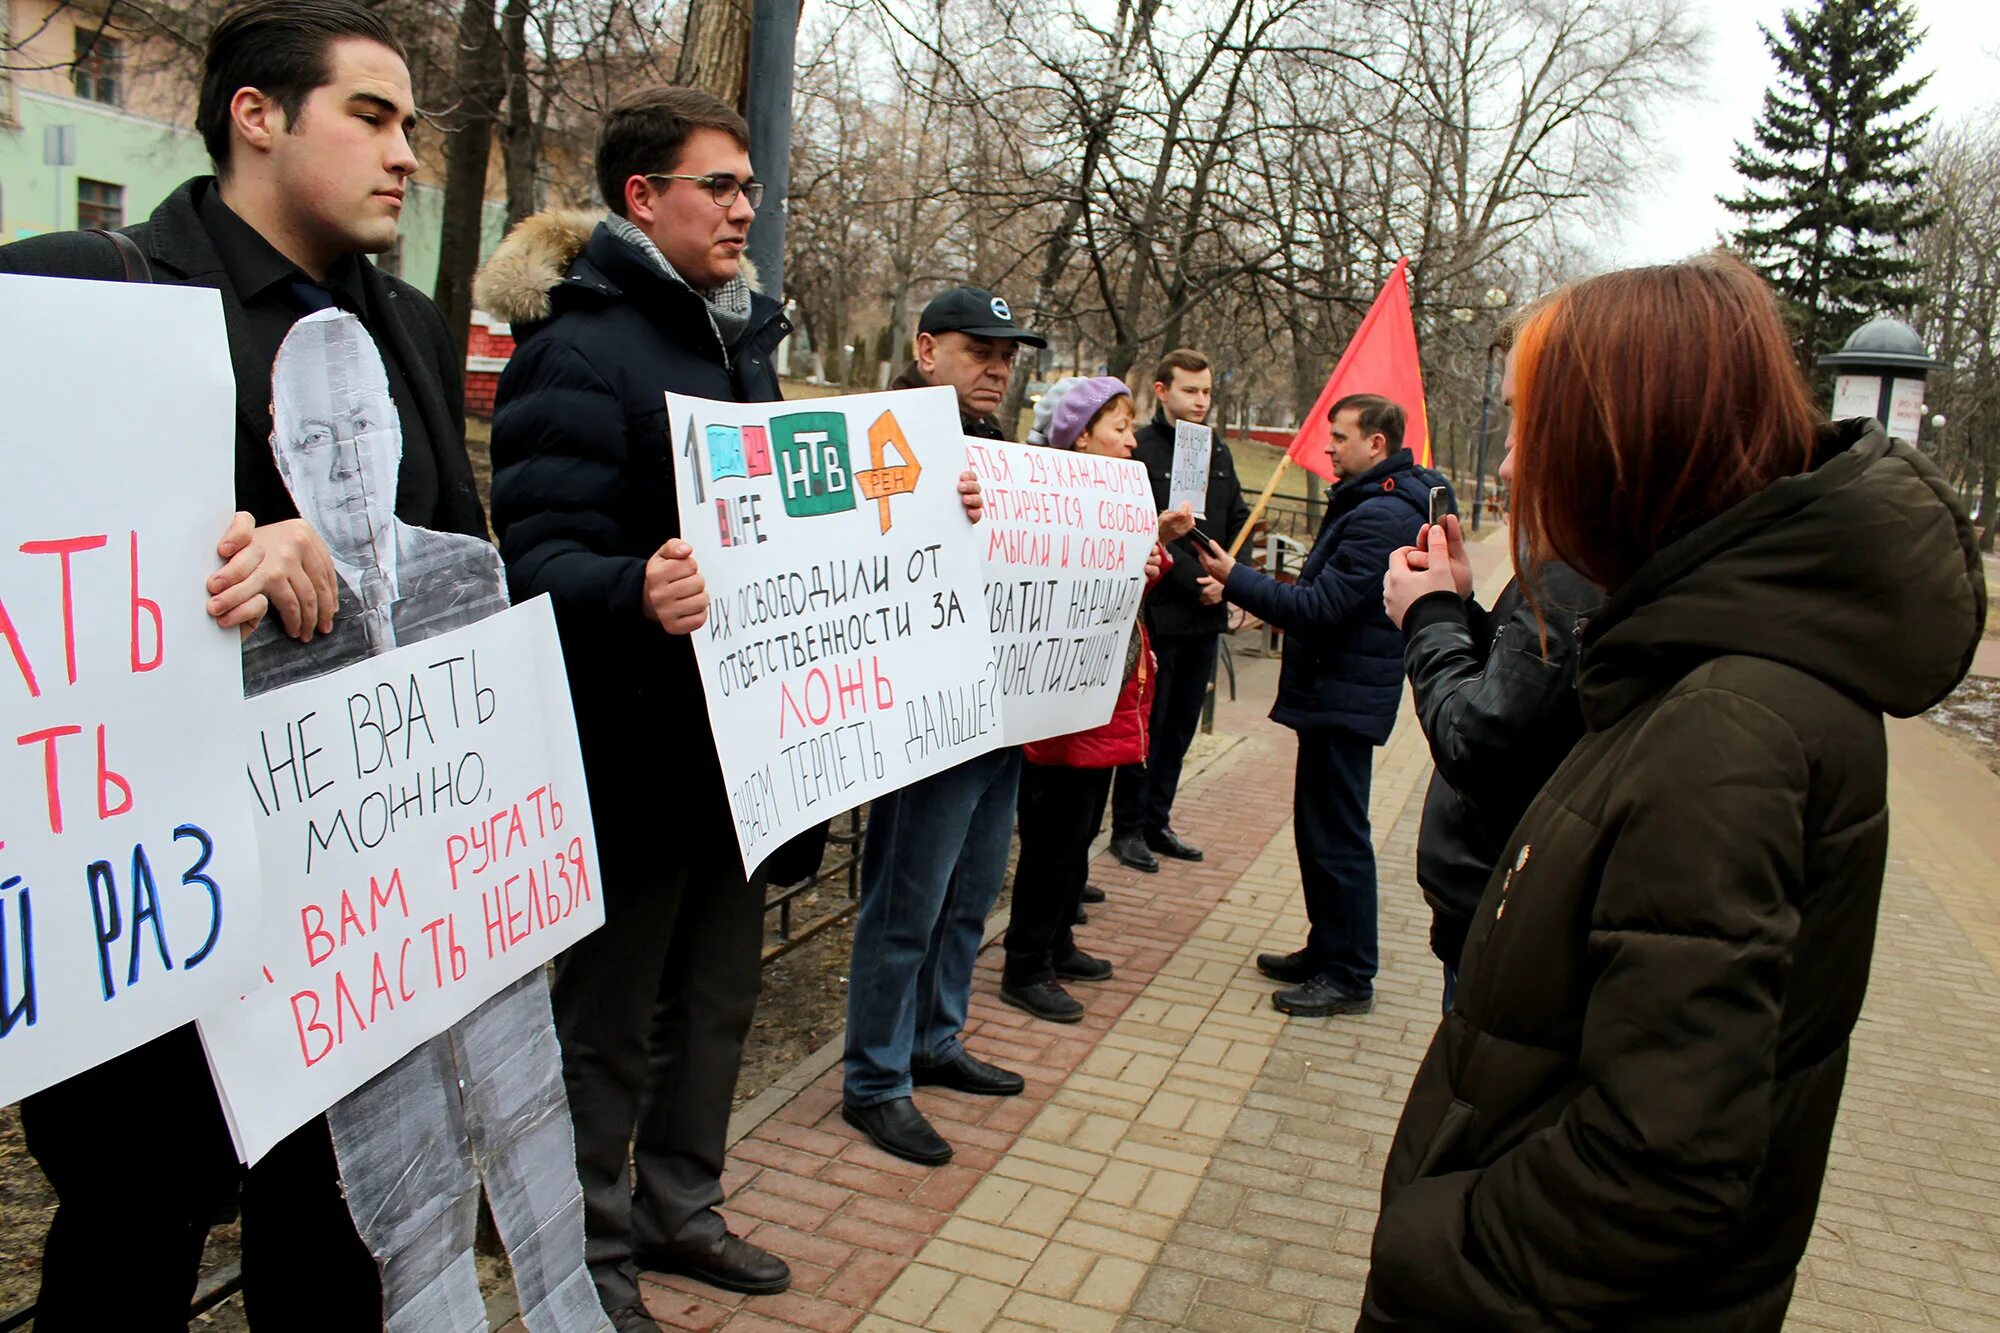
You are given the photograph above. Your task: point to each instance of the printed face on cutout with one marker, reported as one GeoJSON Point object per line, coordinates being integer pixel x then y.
{"type": "Point", "coordinates": [1111, 434]}
{"type": "Point", "coordinates": [342, 164]}
{"type": "Point", "coordinates": [976, 368]}
{"type": "Point", "coordinates": [1188, 397]}
{"type": "Point", "coordinates": [338, 440]}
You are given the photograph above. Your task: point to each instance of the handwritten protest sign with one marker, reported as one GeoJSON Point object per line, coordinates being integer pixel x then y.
{"type": "Point", "coordinates": [1065, 540]}
{"type": "Point", "coordinates": [128, 895]}
{"type": "Point", "coordinates": [1193, 445]}
{"type": "Point", "coordinates": [844, 654]}
{"type": "Point", "coordinates": [425, 838]}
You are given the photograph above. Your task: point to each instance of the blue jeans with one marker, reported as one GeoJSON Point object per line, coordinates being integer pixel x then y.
{"type": "Point", "coordinates": [1337, 855]}
{"type": "Point", "coordinates": [935, 858]}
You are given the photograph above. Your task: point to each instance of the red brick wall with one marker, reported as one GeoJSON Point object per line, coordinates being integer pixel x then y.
{"type": "Point", "coordinates": [486, 351]}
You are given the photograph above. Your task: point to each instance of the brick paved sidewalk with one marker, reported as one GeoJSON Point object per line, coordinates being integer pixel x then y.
{"type": "Point", "coordinates": [1186, 1158]}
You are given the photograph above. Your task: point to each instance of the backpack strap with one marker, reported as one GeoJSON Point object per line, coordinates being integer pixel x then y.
{"type": "Point", "coordinates": [137, 269]}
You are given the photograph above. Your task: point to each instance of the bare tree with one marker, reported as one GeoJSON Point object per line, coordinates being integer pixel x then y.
{"type": "Point", "coordinates": [1959, 256]}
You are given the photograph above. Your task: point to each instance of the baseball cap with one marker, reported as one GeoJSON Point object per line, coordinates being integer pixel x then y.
{"type": "Point", "coordinates": [975, 311]}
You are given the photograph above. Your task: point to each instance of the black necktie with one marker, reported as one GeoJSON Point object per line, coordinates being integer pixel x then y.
{"type": "Point", "coordinates": [307, 296]}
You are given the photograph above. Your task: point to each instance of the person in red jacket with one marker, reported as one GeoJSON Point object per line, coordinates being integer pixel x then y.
{"type": "Point", "coordinates": [1066, 780]}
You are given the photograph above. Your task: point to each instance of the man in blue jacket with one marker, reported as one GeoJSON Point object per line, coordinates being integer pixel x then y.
{"type": "Point", "coordinates": [1339, 689]}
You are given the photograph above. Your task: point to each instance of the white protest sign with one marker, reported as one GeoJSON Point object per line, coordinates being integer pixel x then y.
{"type": "Point", "coordinates": [426, 840]}
{"type": "Point", "coordinates": [1066, 539]}
{"type": "Point", "coordinates": [1189, 482]}
{"type": "Point", "coordinates": [844, 655]}
{"type": "Point", "coordinates": [128, 870]}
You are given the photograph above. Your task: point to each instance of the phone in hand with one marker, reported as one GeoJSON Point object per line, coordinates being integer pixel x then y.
{"type": "Point", "coordinates": [1440, 503]}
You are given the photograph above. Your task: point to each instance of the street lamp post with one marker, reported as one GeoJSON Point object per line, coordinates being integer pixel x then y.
{"type": "Point", "coordinates": [1496, 299]}
{"type": "Point", "coordinates": [1479, 463]}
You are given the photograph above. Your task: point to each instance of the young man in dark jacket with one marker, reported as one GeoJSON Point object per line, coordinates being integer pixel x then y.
{"type": "Point", "coordinates": [654, 1008]}
{"type": "Point", "coordinates": [295, 93]}
{"type": "Point", "coordinates": [1185, 619]}
{"type": "Point", "coordinates": [1339, 688]}
{"type": "Point", "coordinates": [1496, 693]}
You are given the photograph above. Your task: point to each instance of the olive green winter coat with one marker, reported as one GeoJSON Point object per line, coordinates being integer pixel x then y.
{"type": "Point", "coordinates": [1623, 1122]}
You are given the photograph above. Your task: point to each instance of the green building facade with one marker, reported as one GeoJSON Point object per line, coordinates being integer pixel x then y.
{"type": "Point", "coordinates": [125, 164]}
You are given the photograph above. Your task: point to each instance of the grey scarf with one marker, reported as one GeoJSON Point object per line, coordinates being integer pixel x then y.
{"type": "Point", "coordinates": [728, 305]}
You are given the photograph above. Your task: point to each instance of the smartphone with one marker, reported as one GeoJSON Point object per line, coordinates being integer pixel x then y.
{"type": "Point", "coordinates": [1440, 503]}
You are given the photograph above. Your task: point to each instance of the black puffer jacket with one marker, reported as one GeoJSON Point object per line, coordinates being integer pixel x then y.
{"type": "Point", "coordinates": [1496, 693]}
{"type": "Point", "coordinates": [583, 495]}
{"type": "Point", "coordinates": [1623, 1122]}
{"type": "Point", "coordinates": [1174, 605]}
{"type": "Point", "coordinates": [1343, 668]}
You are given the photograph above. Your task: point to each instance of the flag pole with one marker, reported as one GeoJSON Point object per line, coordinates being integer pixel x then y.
{"type": "Point", "coordinates": [1257, 511]}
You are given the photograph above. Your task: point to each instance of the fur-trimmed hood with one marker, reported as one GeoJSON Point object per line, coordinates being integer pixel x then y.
{"type": "Point", "coordinates": [516, 283]}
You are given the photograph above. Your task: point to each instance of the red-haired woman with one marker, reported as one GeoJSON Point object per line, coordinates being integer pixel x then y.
{"type": "Point", "coordinates": [1623, 1122]}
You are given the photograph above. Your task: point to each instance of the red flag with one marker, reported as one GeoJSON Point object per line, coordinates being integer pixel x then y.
{"type": "Point", "coordinates": [1382, 359]}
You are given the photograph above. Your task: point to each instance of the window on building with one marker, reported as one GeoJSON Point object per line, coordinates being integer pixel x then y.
{"type": "Point", "coordinates": [99, 204]}
{"type": "Point", "coordinates": [100, 67]}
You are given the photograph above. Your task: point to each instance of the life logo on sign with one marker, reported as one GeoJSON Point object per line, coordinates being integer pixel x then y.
{"type": "Point", "coordinates": [810, 455]}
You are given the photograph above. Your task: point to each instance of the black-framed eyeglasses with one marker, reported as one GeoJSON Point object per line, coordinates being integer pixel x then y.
{"type": "Point", "coordinates": [722, 187]}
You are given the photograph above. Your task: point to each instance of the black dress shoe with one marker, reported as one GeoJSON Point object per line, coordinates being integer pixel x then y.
{"type": "Point", "coordinates": [1294, 969]}
{"type": "Point", "coordinates": [964, 1073]}
{"type": "Point", "coordinates": [1320, 998]}
{"type": "Point", "coordinates": [634, 1319]}
{"type": "Point", "coordinates": [1131, 851]}
{"type": "Point", "coordinates": [1044, 999]}
{"type": "Point", "coordinates": [1168, 843]}
{"type": "Point", "coordinates": [898, 1128]}
{"type": "Point", "coordinates": [732, 1263]}
{"type": "Point", "coordinates": [1092, 894]}
{"type": "Point", "coordinates": [1080, 966]}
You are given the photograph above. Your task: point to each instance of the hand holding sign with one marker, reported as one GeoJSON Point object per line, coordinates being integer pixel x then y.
{"type": "Point", "coordinates": [1193, 444]}
{"type": "Point", "coordinates": [675, 596]}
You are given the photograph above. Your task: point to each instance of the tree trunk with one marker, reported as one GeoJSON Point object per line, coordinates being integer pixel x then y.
{"type": "Point", "coordinates": [715, 49]}
{"type": "Point", "coordinates": [522, 137]}
{"type": "Point", "coordinates": [481, 82]}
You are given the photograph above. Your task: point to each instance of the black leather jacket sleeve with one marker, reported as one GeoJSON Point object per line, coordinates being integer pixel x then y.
{"type": "Point", "coordinates": [1487, 693]}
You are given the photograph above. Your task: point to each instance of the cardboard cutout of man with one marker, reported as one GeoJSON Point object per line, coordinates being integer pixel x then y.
{"type": "Point", "coordinates": [406, 1139]}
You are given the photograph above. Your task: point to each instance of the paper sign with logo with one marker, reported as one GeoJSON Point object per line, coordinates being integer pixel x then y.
{"type": "Point", "coordinates": [845, 655]}
{"type": "Point", "coordinates": [1065, 539]}
{"type": "Point", "coordinates": [128, 869]}
{"type": "Point", "coordinates": [1193, 444]}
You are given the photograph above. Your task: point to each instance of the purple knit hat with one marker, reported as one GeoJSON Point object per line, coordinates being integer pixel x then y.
{"type": "Point", "coordinates": [1079, 405]}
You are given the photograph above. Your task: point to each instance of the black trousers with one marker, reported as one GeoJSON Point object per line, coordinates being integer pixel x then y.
{"type": "Point", "coordinates": [652, 1011]}
{"type": "Point", "coordinates": [1142, 800]}
{"type": "Point", "coordinates": [1061, 811]}
{"type": "Point", "coordinates": [139, 1156]}
{"type": "Point", "coordinates": [1337, 855]}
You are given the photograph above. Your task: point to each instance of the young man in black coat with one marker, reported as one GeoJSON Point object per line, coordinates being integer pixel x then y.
{"type": "Point", "coordinates": [609, 314]}
{"type": "Point", "coordinates": [1185, 619]}
{"type": "Point", "coordinates": [653, 1009]}
{"type": "Point", "coordinates": [306, 109]}
{"type": "Point", "coordinates": [1339, 688]}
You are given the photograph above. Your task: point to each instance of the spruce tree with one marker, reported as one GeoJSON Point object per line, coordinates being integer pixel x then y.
{"type": "Point", "coordinates": [1835, 190]}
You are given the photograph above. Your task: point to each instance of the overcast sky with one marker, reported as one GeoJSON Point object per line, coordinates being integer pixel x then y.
{"type": "Point", "coordinates": [1678, 215]}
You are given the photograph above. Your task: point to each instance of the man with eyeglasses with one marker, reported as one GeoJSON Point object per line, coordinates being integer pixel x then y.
{"type": "Point", "coordinates": [653, 1009]}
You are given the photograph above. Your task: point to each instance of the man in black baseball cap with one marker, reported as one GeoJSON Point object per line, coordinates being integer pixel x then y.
{"type": "Point", "coordinates": [967, 339]}
{"type": "Point", "coordinates": [936, 852]}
